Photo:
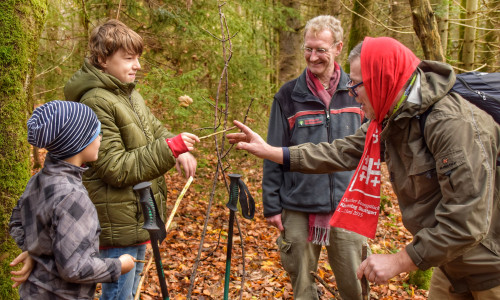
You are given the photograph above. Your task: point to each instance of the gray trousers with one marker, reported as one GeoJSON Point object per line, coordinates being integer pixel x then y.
{"type": "Point", "coordinates": [299, 257]}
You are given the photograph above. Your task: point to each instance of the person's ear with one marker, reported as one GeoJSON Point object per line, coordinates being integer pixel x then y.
{"type": "Point", "coordinates": [338, 47]}
{"type": "Point", "coordinates": [102, 62]}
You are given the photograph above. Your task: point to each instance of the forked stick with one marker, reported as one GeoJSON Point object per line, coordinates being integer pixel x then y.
{"type": "Point", "coordinates": [144, 271]}
{"type": "Point", "coordinates": [365, 285]}
{"type": "Point", "coordinates": [329, 288]}
{"type": "Point", "coordinates": [176, 205]}
{"type": "Point", "coordinates": [212, 134]}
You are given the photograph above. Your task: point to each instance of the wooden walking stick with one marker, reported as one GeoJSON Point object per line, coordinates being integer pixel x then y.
{"type": "Point", "coordinates": [365, 285]}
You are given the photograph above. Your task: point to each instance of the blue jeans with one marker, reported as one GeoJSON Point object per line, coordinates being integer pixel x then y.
{"type": "Point", "coordinates": [126, 286]}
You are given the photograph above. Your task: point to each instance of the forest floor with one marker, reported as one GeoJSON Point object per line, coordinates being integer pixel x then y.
{"type": "Point", "coordinates": [264, 276]}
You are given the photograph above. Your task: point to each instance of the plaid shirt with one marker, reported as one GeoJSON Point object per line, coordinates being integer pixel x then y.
{"type": "Point", "coordinates": [56, 222]}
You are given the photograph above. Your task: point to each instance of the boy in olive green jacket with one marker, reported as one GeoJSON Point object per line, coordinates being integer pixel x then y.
{"type": "Point", "coordinates": [136, 147]}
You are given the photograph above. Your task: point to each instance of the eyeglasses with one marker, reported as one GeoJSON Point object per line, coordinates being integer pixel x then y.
{"type": "Point", "coordinates": [319, 51]}
{"type": "Point", "coordinates": [100, 134]}
{"type": "Point", "coordinates": [352, 88]}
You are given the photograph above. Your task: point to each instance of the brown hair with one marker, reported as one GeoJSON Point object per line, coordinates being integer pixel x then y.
{"type": "Point", "coordinates": [110, 37]}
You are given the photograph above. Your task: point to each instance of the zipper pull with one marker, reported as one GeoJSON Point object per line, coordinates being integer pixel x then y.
{"type": "Point", "coordinates": [327, 111]}
{"type": "Point", "coordinates": [483, 95]}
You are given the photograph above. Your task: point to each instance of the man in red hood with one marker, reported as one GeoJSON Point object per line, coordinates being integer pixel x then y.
{"type": "Point", "coordinates": [445, 174]}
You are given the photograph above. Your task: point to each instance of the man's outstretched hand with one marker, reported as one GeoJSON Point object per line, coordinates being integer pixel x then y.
{"type": "Point", "coordinates": [254, 143]}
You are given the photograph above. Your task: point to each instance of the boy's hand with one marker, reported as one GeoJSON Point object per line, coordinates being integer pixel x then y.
{"type": "Point", "coordinates": [188, 163]}
{"type": "Point", "coordinates": [189, 139]}
{"type": "Point", "coordinates": [127, 261]}
{"type": "Point", "coordinates": [24, 273]}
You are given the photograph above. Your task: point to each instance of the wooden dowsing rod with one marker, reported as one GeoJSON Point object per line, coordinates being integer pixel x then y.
{"type": "Point", "coordinates": [212, 134]}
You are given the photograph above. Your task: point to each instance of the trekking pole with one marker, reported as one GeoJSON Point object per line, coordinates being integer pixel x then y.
{"type": "Point", "coordinates": [150, 224]}
{"type": "Point", "coordinates": [233, 207]}
{"type": "Point", "coordinates": [138, 291]}
{"type": "Point", "coordinates": [237, 191]}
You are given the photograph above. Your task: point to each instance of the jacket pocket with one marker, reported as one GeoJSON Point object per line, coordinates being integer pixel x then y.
{"type": "Point", "coordinates": [446, 167]}
{"type": "Point", "coordinates": [448, 161]}
{"type": "Point", "coordinates": [283, 245]}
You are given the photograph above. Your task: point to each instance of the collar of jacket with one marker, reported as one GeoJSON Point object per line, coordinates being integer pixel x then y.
{"type": "Point", "coordinates": [436, 80]}
{"type": "Point", "coordinates": [57, 166]}
{"type": "Point", "coordinates": [301, 92]}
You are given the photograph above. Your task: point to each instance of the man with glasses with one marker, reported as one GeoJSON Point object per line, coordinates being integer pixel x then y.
{"type": "Point", "coordinates": [315, 107]}
{"type": "Point", "coordinates": [444, 174]}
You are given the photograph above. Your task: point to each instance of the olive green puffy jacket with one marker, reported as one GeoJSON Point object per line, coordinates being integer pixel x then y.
{"type": "Point", "coordinates": [133, 150]}
{"type": "Point", "coordinates": [447, 187]}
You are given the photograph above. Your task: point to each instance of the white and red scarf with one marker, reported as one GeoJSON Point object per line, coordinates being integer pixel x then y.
{"type": "Point", "coordinates": [386, 65]}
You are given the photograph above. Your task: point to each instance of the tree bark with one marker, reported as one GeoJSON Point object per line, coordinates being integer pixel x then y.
{"type": "Point", "coordinates": [490, 49]}
{"type": "Point", "coordinates": [442, 13]}
{"type": "Point", "coordinates": [361, 26]}
{"type": "Point", "coordinates": [425, 26]}
{"type": "Point", "coordinates": [20, 29]}
{"type": "Point", "coordinates": [468, 53]}
{"type": "Point", "coordinates": [290, 42]}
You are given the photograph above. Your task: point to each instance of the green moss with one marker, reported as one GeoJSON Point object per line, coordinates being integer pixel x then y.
{"type": "Point", "coordinates": [21, 22]}
{"type": "Point", "coordinates": [421, 279]}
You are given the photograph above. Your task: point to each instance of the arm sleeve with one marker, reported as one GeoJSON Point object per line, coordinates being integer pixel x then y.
{"type": "Point", "coordinates": [341, 155]}
{"type": "Point", "coordinates": [16, 228]}
{"type": "Point", "coordinates": [159, 129]}
{"type": "Point", "coordinates": [278, 134]}
{"type": "Point", "coordinates": [466, 175]}
{"type": "Point", "coordinates": [75, 245]}
{"type": "Point", "coordinates": [119, 166]}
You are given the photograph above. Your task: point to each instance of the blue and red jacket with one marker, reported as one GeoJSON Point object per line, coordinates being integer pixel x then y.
{"type": "Point", "coordinates": [297, 117]}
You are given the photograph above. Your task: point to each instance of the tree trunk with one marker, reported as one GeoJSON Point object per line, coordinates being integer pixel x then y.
{"type": "Point", "coordinates": [470, 35]}
{"type": "Point", "coordinates": [442, 12]}
{"type": "Point", "coordinates": [20, 29]}
{"type": "Point", "coordinates": [490, 49]}
{"type": "Point", "coordinates": [361, 26]}
{"type": "Point", "coordinates": [425, 26]}
{"type": "Point", "coordinates": [461, 32]}
{"type": "Point", "coordinates": [394, 22]}
{"type": "Point", "coordinates": [290, 42]}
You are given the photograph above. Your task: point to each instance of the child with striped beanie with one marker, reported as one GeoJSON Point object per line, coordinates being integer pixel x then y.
{"type": "Point", "coordinates": [54, 220]}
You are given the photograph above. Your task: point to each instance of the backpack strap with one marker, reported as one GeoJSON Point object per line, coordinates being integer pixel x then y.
{"type": "Point", "coordinates": [421, 119]}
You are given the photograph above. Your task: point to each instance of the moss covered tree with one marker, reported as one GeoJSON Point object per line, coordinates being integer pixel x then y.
{"type": "Point", "coordinates": [21, 23]}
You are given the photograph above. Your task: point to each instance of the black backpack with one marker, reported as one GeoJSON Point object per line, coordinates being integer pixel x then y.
{"type": "Point", "coordinates": [479, 88]}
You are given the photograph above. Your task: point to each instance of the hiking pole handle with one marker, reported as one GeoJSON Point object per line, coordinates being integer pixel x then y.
{"type": "Point", "coordinates": [148, 208]}
{"type": "Point", "coordinates": [143, 189]}
{"type": "Point", "coordinates": [232, 204]}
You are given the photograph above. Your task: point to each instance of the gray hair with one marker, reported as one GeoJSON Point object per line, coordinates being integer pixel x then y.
{"type": "Point", "coordinates": [355, 52]}
{"type": "Point", "coordinates": [320, 23]}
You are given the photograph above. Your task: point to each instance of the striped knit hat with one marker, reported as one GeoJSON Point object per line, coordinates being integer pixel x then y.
{"type": "Point", "coordinates": [64, 128]}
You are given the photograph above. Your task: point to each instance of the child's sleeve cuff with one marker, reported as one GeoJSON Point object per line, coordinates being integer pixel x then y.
{"type": "Point", "coordinates": [177, 145]}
